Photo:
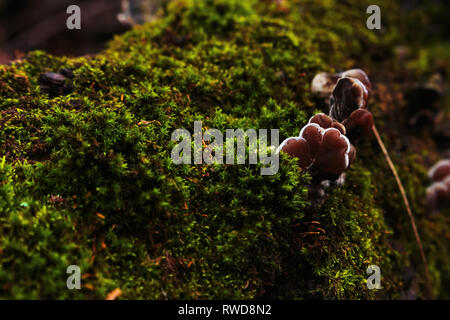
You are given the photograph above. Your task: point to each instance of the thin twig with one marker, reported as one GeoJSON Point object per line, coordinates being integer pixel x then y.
{"type": "Point", "coordinates": [408, 208]}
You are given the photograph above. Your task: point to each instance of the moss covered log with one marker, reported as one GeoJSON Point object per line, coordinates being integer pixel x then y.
{"type": "Point", "coordinates": [86, 176]}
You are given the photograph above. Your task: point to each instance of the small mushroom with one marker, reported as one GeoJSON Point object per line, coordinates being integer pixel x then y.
{"type": "Point", "coordinates": [348, 95]}
{"type": "Point", "coordinates": [299, 148]}
{"type": "Point", "coordinates": [440, 170]}
{"type": "Point", "coordinates": [334, 154]}
{"type": "Point", "coordinates": [322, 120]}
{"type": "Point", "coordinates": [337, 125]}
{"type": "Point", "coordinates": [326, 126]}
{"type": "Point", "coordinates": [437, 194]}
{"type": "Point", "coordinates": [326, 122]}
{"type": "Point", "coordinates": [323, 84]}
{"type": "Point", "coordinates": [358, 74]}
{"type": "Point", "coordinates": [446, 181]}
{"type": "Point", "coordinates": [358, 124]}
{"type": "Point", "coordinates": [313, 134]}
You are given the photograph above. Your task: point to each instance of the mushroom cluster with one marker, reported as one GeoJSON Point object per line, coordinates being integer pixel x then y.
{"type": "Point", "coordinates": [438, 193]}
{"type": "Point", "coordinates": [324, 145]}
{"type": "Point", "coordinates": [348, 94]}
{"type": "Point", "coordinates": [321, 147]}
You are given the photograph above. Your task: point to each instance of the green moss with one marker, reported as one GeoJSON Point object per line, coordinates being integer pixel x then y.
{"type": "Point", "coordinates": [132, 219]}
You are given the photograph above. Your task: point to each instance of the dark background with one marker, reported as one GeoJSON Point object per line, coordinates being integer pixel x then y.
{"type": "Point", "coordinates": [41, 24]}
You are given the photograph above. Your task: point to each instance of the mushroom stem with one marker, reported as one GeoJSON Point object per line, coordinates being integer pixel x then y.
{"type": "Point", "coordinates": [408, 209]}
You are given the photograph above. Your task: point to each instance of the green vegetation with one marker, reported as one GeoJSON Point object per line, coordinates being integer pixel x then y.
{"type": "Point", "coordinates": [86, 177]}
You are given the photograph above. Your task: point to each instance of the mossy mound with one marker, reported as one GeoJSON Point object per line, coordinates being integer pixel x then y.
{"type": "Point", "coordinates": [86, 176]}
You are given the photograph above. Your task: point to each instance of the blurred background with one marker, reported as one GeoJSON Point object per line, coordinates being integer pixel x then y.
{"type": "Point", "coordinates": [29, 24]}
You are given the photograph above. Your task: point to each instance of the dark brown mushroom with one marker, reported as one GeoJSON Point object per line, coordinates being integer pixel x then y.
{"type": "Point", "coordinates": [358, 124]}
{"type": "Point", "coordinates": [337, 125]}
{"type": "Point", "coordinates": [357, 74]}
{"type": "Point", "coordinates": [333, 156]}
{"type": "Point", "coordinates": [299, 148]}
{"type": "Point", "coordinates": [437, 194]}
{"type": "Point", "coordinates": [326, 122]}
{"type": "Point", "coordinates": [440, 170]}
{"type": "Point", "coordinates": [313, 134]}
{"type": "Point", "coordinates": [322, 120]}
{"type": "Point", "coordinates": [447, 183]}
{"type": "Point", "coordinates": [348, 95]}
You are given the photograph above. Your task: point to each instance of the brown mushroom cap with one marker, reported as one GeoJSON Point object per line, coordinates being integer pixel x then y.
{"type": "Point", "coordinates": [440, 170]}
{"type": "Point", "coordinates": [358, 124]}
{"type": "Point", "coordinates": [299, 148]}
{"type": "Point", "coordinates": [312, 133]}
{"type": "Point", "coordinates": [322, 120]}
{"type": "Point", "coordinates": [348, 95]}
{"type": "Point", "coordinates": [446, 181]}
{"type": "Point", "coordinates": [358, 74]}
{"type": "Point", "coordinates": [432, 200]}
{"type": "Point", "coordinates": [326, 122]}
{"type": "Point", "coordinates": [337, 125]}
{"type": "Point", "coordinates": [437, 193]}
{"type": "Point", "coordinates": [333, 156]}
